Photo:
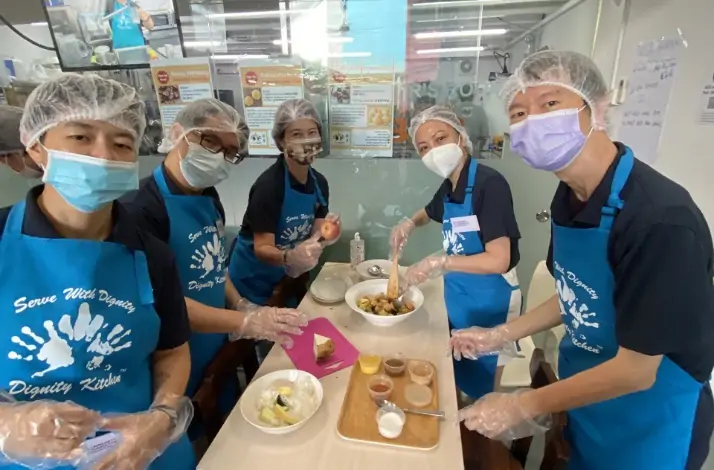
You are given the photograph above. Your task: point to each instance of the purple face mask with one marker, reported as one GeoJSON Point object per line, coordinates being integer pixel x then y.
{"type": "Point", "coordinates": [549, 141]}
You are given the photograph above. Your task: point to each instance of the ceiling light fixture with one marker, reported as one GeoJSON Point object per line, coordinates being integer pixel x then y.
{"type": "Point", "coordinates": [451, 49]}
{"type": "Point", "coordinates": [342, 40]}
{"type": "Point", "coordinates": [461, 34]}
{"type": "Point", "coordinates": [41, 23]}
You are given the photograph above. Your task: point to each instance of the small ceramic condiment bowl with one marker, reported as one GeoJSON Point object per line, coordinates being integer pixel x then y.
{"type": "Point", "coordinates": [395, 365]}
{"type": "Point", "coordinates": [380, 387]}
{"type": "Point", "coordinates": [420, 372]}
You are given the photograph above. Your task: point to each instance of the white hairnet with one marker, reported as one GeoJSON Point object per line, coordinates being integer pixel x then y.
{"type": "Point", "coordinates": [208, 114]}
{"type": "Point", "coordinates": [443, 114]}
{"type": "Point", "coordinates": [10, 130]}
{"type": "Point", "coordinates": [290, 111]}
{"type": "Point", "coordinates": [73, 97]}
{"type": "Point", "coordinates": [570, 70]}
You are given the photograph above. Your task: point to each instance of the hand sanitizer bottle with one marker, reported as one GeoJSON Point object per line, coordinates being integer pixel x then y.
{"type": "Point", "coordinates": [356, 250]}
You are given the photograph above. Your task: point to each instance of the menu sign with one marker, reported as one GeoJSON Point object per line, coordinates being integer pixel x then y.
{"type": "Point", "coordinates": [178, 82]}
{"type": "Point", "coordinates": [265, 86]}
{"type": "Point", "coordinates": [361, 112]}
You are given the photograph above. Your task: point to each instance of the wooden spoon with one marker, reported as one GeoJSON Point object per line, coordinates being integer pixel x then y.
{"type": "Point", "coordinates": [393, 285]}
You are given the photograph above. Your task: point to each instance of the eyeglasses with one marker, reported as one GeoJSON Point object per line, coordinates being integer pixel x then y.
{"type": "Point", "coordinates": [213, 145]}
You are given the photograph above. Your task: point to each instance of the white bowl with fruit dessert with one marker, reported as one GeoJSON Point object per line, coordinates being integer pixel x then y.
{"type": "Point", "coordinates": [281, 402]}
{"type": "Point", "coordinates": [368, 298]}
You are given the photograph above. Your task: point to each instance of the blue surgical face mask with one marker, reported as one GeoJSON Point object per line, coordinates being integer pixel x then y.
{"type": "Point", "coordinates": [89, 183]}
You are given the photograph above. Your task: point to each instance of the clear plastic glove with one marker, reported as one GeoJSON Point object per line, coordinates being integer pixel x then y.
{"type": "Point", "coordinates": [303, 257]}
{"type": "Point", "coordinates": [400, 234]}
{"type": "Point", "coordinates": [146, 435]}
{"type": "Point", "coordinates": [430, 267]}
{"type": "Point", "coordinates": [271, 323]}
{"type": "Point", "coordinates": [331, 229]}
{"type": "Point", "coordinates": [504, 416]}
{"type": "Point", "coordinates": [44, 433]}
{"type": "Point", "coordinates": [475, 342]}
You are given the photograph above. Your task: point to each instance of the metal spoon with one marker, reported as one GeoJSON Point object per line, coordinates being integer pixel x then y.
{"type": "Point", "coordinates": [376, 271]}
{"type": "Point", "coordinates": [389, 405]}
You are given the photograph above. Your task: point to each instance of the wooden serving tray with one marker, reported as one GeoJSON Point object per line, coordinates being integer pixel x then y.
{"type": "Point", "coordinates": [358, 420]}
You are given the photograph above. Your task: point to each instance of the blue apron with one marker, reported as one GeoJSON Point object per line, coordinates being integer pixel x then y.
{"type": "Point", "coordinates": [255, 279]}
{"type": "Point", "coordinates": [197, 239]}
{"type": "Point", "coordinates": [472, 299]}
{"type": "Point", "coordinates": [649, 429]}
{"type": "Point", "coordinates": [126, 31]}
{"type": "Point", "coordinates": [79, 324]}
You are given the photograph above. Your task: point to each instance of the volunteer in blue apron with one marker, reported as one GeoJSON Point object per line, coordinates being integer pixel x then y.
{"type": "Point", "coordinates": [94, 337]}
{"type": "Point", "coordinates": [287, 206]}
{"type": "Point", "coordinates": [12, 151]}
{"type": "Point", "coordinates": [180, 205]}
{"type": "Point", "coordinates": [632, 259]}
{"type": "Point", "coordinates": [480, 239]}
{"type": "Point", "coordinates": [127, 22]}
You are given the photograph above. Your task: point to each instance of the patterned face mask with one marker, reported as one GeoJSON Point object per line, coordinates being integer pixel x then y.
{"type": "Point", "coordinates": [304, 151]}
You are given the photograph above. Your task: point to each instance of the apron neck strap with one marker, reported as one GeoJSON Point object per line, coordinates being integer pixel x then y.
{"type": "Point", "coordinates": [614, 202]}
{"type": "Point", "coordinates": [310, 174]}
{"type": "Point", "coordinates": [473, 169]}
{"type": "Point", "coordinates": [161, 180]}
{"type": "Point", "coordinates": [13, 226]}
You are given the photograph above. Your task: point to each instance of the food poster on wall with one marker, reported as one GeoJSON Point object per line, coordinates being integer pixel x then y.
{"type": "Point", "coordinates": [361, 111]}
{"type": "Point", "coordinates": [706, 115]}
{"type": "Point", "coordinates": [178, 82]}
{"type": "Point", "coordinates": [265, 86]}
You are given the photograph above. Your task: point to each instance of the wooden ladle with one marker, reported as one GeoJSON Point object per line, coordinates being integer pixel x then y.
{"type": "Point", "coordinates": [393, 285]}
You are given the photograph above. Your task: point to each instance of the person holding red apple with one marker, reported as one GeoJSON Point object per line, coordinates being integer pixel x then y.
{"type": "Point", "coordinates": [287, 222]}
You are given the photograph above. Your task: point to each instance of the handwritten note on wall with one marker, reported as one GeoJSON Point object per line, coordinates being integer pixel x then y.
{"type": "Point", "coordinates": [650, 86]}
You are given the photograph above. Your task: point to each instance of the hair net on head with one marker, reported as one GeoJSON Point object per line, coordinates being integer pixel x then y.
{"type": "Point", "coordinates": [290, 111]}
{"type": "Point", "coordinates": [10, 130]}
{"type": "Point", "coordinates": [73, 97]}
{"type": "Point", "coordinates": [443, 114]}
{"type": "Point", "coordinates": [570, 70]}
{"type": "Point", "coordinates": [208, 114]}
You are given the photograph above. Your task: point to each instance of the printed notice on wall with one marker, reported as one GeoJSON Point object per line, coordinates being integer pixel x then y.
{"type": "Point", "coordinates": [707, 102]}
{"type": "Point", "coordinates": [648, 92]}
{"type": "Point", "coordinates": [361, 107]}
{"type": "Point", "coordinates": [265, 86]}
{"type": "Point", "coordinates": [178, 82]}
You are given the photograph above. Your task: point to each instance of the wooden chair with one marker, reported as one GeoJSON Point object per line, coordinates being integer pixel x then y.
{"type": "Point", "coordinates": [557, 450]}
{"type": "Point", "coordinates": [230, 357]}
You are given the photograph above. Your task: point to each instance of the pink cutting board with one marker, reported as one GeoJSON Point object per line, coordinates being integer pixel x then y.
{"type": "Point", "coordinates": [303, 355]}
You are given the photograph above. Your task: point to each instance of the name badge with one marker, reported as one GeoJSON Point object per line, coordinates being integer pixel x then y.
{"type": "Point", "coordinates": [465, 224]}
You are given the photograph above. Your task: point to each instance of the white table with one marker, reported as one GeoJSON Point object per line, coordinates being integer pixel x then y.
{"type": "Point", "coordinates": [317, 445]}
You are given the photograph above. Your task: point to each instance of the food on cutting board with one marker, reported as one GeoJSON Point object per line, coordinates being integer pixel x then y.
{"type": "Point", "coordinates": [382, 305]}
{"type": "Point", "coordinates": [285, 403]}
{"type": "Point", "coordinates": [324, 347]}
{"type": "Point", "coordinates": [369, 363]}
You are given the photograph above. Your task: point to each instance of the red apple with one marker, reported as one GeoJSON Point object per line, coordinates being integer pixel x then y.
{"type": "Point", "coordinates": [330, 231]}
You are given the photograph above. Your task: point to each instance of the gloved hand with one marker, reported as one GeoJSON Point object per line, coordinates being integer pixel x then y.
{"type": "Point", "coordinates": [45, 431]}
{"type": "Point", "coordinates": [430, 267]}
{"type": "Point", "coordinates": [327, 237]}
{"type": "Point", "coordinates": [145, 435]}
{"type": "Point", "coordinates": [475, 342]}
{"type": "Point", "coordinates": [504, 416]}
{"type": "Point", "coordinates": [400, 234]}
{"type": "Point", "coordinates": [303, 257]}
{"type": "Point", "coordinates": [271, 323]}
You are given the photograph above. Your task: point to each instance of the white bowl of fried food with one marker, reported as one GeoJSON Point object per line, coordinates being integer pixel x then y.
{"type": "Point", "coordinates": [281, 402]}
{"type": "Point", "coordinates": [369, 299]}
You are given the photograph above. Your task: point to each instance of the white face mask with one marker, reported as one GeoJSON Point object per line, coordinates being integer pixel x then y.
{"type": "Point", "coordinates": [444, 159]}
{"type": "Point", "coordinates": [203, 169]}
